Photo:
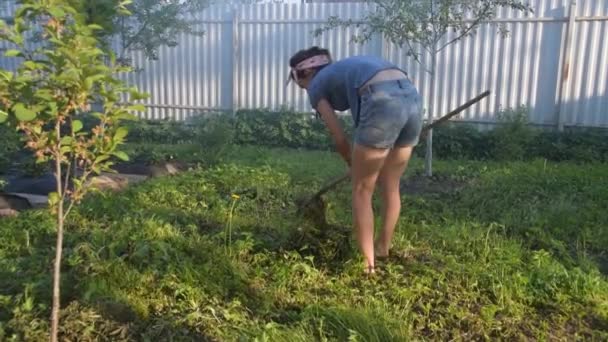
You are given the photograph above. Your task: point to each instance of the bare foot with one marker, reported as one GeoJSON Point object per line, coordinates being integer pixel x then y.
{"type": "Point", "coordinates": [381, 250]}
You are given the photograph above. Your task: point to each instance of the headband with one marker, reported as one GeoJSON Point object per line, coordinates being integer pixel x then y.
{"type": "Point", "coordinates": [308, 63]}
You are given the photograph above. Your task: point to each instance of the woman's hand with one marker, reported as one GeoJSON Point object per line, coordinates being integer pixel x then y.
{"type": "Point", "coordinates": [328, 115]}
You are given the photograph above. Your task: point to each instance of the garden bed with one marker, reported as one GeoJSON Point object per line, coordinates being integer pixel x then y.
{"type": "Point", "coordinates": [484, 250]}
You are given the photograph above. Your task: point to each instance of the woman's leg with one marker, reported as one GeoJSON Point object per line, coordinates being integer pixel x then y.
{"type": "Point", "coordinates": [394, 166]}
{"type": "Point", "coordinates": [366, 165]}
{"type": "Point", "coordinates": [384, 121]}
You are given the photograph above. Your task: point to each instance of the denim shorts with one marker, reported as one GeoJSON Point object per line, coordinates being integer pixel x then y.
{"type": "Point", "coordinates": [390, 115]}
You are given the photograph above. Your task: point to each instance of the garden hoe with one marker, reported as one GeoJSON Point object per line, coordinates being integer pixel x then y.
{"type": "Point", "coordinates": [314, 207]}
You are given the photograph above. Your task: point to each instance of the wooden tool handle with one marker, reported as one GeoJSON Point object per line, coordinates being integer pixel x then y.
{"type": "Point", "coordinates": [331, 185]}
{"type": "Point", "coordinates": [455, 111]}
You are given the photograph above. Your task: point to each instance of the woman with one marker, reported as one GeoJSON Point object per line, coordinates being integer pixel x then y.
{"type": "Point", "coordinates": [386, 110]}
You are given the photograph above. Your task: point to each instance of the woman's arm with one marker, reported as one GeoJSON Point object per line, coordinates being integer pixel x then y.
{"type": "Point", "coordinates": [337, 132]}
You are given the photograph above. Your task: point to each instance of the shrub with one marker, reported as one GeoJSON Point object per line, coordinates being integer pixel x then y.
{"type": "Point", "coordinates": [215, 134]}
{"type": "Point", "coordinates": [586, 145]}
{"type": "Point", "coordinates": [512, 139]}
{"type": "Point", "coordinates": [160, 132]}
{"type": "Point", "coordinates": [457, 141]}
{"type": "Point", "coordinates": [285, 129]}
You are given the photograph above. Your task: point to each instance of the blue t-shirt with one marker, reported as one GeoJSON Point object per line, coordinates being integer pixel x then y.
{"type": "Point", "coordinates": [339, 82]}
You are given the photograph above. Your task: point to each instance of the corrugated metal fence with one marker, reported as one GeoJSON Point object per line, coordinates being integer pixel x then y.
{"type": "Point", "coordinates": [241, 62]}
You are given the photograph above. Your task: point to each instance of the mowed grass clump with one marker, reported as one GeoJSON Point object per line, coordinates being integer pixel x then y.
{"type": "Point", "coordinates": [514, 253]}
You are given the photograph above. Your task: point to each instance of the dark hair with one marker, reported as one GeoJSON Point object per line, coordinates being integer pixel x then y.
{"type": "Point", "coordinates": [307, 53]}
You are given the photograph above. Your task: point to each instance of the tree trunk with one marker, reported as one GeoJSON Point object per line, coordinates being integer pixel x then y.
{"type": "Point", "coordinates": [428, 157]}
{"type": "Point", "coordinates": [58, 247]}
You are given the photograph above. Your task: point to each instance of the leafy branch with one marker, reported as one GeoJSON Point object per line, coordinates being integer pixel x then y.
{"type": "Point", "coordinates": [421, 25]}
{"type": "Point", "coordinates": [57, 81]}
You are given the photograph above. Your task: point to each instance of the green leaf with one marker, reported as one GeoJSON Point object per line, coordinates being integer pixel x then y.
{"type": "Point", "coordinates": [23, 9]}
{"type": "Point", "coordinates": [3, 116]}
{"type": "Point", "coordinates": [70, 10]}
{"type": "Point", "coordinates": [76, 126]}
{"type": "Point", "coordinates": [96, 52]}
{"type": "Point", "coordinates": [18, 39]}
{"type": "Point", "coordinates": [101, 159]}
{"type": "Point", "coordinates": [91, 79]}
{"type": "Point", "coordinates": [7, 75]}
{"type": "Point", "coordinates": [121, 133]}
{"type": "Point", "coordinates": [124, 11]}
{"type": "Point", "coordinates": [136, 95]}
{"type": "Point", "coordinates": [13, 53]}
{"type": "Point", "coordinates": [97, 115]}
{"type": "Point", "coordinates": [43, 159]}
{"type": "Point", "coordinates": [101, 70]}
{"type": "Point", "coordinates": [44, 94]}
{"type": "Point", "coordinates": [57, 12]}
{"type": "Point", "coordinates": [137, 108]}
{"type": "Point", "coordinates": [37, 108]}
{"type": "Point", "coordinates": [56, 41]}
{"type": "Point", "coordinates": [31, 65]}
{"type": "Point", "coordinates": [66, 141]}
{"type": "Point", "coordinates": [23, 79]}
{"type": "Point", "coordinates": [22, 113]}
{"type": "Point", "coordinates": [96, 27]}
{"type": "Point", "coordinates": [54, 199]}
{"type": "Point", "coordinates": [127, 116]}
{"type": "Point", "coordinates": [121, 155]}
{"type": "Point", "coordinates": [53, 108]}
{"type": "Point", "coordinates": [112, 58]}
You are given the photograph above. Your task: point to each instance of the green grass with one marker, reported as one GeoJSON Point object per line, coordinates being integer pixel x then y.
{"type": "Point", "coordinates": [516, 254]}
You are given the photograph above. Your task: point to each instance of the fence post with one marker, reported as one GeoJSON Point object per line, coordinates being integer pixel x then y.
{"type": "Point", "coordinates": [381, 45]}
{"type": "Point", "coordinates": [235, 60]}
{"type": "Point", "coordinates": [564, 84]}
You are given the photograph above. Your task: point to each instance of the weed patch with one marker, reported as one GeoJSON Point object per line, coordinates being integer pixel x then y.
{"type": "Point", "coordinates": [508, 252]}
